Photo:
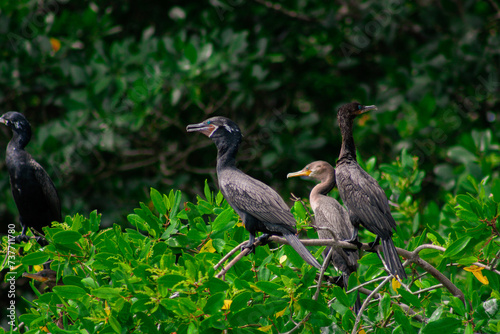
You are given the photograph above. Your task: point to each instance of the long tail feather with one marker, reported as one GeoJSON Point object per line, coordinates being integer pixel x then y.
{"type": "Point", "coordinates": [302, 250]}
{"type": "Point", "coordinates": [392, 258]}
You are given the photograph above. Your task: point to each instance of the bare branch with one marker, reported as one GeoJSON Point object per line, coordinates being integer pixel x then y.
{"type": "Point", "coordinates": [411, 256]}
{"type": "Point", "coordinates": [279, 8]}
{"type": "Point", "coordinates": [367, 300]}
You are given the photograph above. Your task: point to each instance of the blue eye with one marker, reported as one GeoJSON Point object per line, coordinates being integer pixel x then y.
{"type": "Point", "coordinates": [208, 122]}
{"type": "Point", "coordinates": [360, 107]}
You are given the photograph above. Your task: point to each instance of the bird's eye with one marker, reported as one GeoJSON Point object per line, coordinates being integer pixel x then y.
{"type": "Point", "coordinates": [208, 122]}
{"type": "Point", "coordinates": [360, 107]}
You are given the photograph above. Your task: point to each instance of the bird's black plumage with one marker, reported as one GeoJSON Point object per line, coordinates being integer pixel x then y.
{"type": "Point", "coordinates": [34, 192]}
{"type": "Point", "coordinates": [331, 219]}
{"type": "Point", "coordinates": [363, 196]}
{"type": "Point", "coordinates": [259, 206]}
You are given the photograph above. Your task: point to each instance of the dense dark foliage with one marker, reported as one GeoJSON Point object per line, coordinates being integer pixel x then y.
{"type": "Point", "coordinates": [109, 87]}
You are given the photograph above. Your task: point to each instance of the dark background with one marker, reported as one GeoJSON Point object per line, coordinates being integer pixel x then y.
{"type": "Point", "coordinates": [109, 88]}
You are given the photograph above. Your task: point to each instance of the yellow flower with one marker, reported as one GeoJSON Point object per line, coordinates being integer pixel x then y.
{"type": "Point", "coordinates": [55, 43]}
{"type": "Point", "coordinates": [208, 248]}
{"type": "Point", "coordinates": [477, 272]}
{"type": "Point", "coordinates": [395, 284]}
{"type": "Point", "coordinates": [227, 304]}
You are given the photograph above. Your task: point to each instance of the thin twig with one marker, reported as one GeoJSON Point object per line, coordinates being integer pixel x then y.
{"type": "Point", "coordinates": [279, 8]}
{"type": "Point", "coordinates": [228, 255]}
{"type": "Point", "coordinates": [365, 303]}
{"type": "Point", "coordinates": [322, 272]}
{"type": "Point", "coordinates": [411, 256]}
{"type": "Point", "coordinates": [236, 259]}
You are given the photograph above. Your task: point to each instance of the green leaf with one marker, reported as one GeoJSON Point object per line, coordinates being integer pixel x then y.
{"type": "Point", "coordinates": [457, 246]}
{"type": "Point", "coordinates": [219, 198]}
{"type": "Point", "coordinates": [410, 298]}
{"type": "Point", "coordinates": [158, 202]}
{"type": "Point", "coordinates": [402, 319]}
{"type": "Point", "coordinates": [384, 306]}
{"type": "Point", "coordinates": [191, 53]}
{"type": "Point", "coordinates": [66, 237]}
{"type": "Point", "coordinates": [369, 259]}
{"type": "Point", "coordinates": [467, 261]}
{"type": "Point", "coordinates": [69, 291]}
{"type": "Point", "coordinates": [224, 221]}
{"type": "Point", "coordinates": [35, 258]}
{"type": "Point", "coordinates": [313, 306]}
{"type": "Point", "coordinates": [115, 324]}
{"type": "Point", "coordinates": [298, 209]}
{"type": "Point", "coordinates": [458, 305]}
{"type": "Point", "coordinates": [216, 285]}
{"type": "Point", "coordinates": [106, 292]}
{"type": "Point", "coordinates": [444, 325]}
{"type": "Point", "coordinates": [214, 303]}
{"type": "Point", "coordinates": [208, 192]}
{"type": "Point", "coordinates": [341, 296]}
{"type": "Point", "coordinates": [495, 190]}
{"type": "Point", "coordinates": [169, 281]}
{"type": "Point", "coordinates": [271, 288]}
{"type": "Point", "coordinates": [175, 200]}
{"type": "Point", "coordinates": [240, 301]}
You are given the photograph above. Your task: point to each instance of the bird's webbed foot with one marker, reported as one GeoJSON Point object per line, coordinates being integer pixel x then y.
{"type": "Point", "coordinates": [248, 245]}
{"type": "Point", "coordinates": [264, 239]}
{"type": "Point", "coordinates": [338, 280]}
{"type": "Point", "coordinates": [373, 244]}
{"type": "Point", "coordinates": [354, 241]}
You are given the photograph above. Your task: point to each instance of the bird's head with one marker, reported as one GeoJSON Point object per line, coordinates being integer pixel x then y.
{"type": "Point", "coordinates": [317, 170]}
{"type": "Point", "coordinates": [46, 275]}
{"type": "Point", "coordinates": [217, 128]}
{"type": "Point", "coordinates": [17, 122]}
{"type": "Point", "coordinates": [353, 109]}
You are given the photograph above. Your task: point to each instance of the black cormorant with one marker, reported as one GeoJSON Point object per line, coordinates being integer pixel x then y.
{"type": "Point", "coordinates": [361, 194]}
{"type": "Point", "coordinates": [331, 219]}
{"type": "Point", "coordinates": [259, 206]}
{"type": "Point", "coordinates": [34, 192]}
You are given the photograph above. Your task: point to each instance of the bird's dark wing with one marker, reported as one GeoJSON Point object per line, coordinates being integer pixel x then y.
{"type": "Point", "coordinates": [365, 199]}
{"type": "Point", "coordinates": [332, 222]}
{"type": "Point", "coordinates": [49, 190]}
{"type": "Point", "coordinates": [332, 215]}
{"type": "Point", "coordinates": [257, 199]}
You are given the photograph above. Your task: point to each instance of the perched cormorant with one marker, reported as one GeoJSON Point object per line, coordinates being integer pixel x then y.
{"type": "Point", "coordinates": [34, 193]}
{"type": "Point", "coordinates": [259, 206]}
{"type": "Point", "coordinates": [46, 276]}
{"type": "Point", "coordinates": [361, 194]}
{"type": "Point", "coordinates": [331, 218]}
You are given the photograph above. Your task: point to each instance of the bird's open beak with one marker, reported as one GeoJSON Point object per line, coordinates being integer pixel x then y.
{"type": "Point", "coordinates": [3, 120]}
{"type": "Point", "coordinates": [206, 129]}
{"type": "Point", "coordinates": [366, 109]}
{"type": "Point", "coordinates": [299, 173]}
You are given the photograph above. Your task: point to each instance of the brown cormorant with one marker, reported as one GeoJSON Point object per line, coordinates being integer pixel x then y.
{"type": "Point", "coordinates": [259, 206]}
{"type": "Point", "coordinates": [331, 219]}
{"type": "Point", "coordinates": [46, 276]}
{"type": "Point", "coordinates": [361, 194]}
{"type": "Point", "coordinates": [34, 192]}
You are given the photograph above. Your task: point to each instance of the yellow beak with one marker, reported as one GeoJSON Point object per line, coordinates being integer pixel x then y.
{"type": "Point", "coordinates": [303, 172]}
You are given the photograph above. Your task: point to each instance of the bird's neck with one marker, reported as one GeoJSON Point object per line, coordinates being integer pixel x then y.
{"type": "Point", "coordinates": [322, 188]}
{"type": "Point", "coordinates": [348, 150]}
{"type": "Point", "coordinates": [18, 141]}
{"type": "Point", "coordinates": [226, 154]}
